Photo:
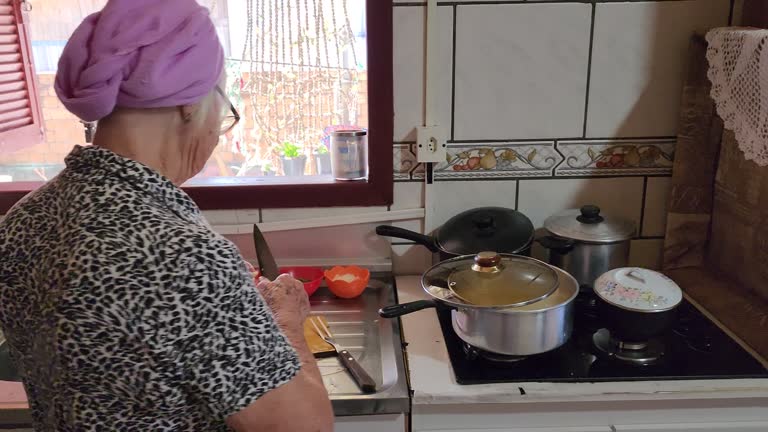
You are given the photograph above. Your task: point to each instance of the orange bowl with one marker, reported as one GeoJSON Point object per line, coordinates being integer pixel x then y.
{"type": "Point", "coordinates": [347, 282]}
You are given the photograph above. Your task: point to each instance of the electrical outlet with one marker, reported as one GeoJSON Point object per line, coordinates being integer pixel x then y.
{"type": "Point", "coordinates": [431, 144]}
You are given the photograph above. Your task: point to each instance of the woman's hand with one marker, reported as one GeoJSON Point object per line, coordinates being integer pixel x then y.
{"type": "Point", "coordinates": [287, 299]}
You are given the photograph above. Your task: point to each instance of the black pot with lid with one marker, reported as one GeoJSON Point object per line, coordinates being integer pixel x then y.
{"type": "Point", "coordinates": [499, 229]}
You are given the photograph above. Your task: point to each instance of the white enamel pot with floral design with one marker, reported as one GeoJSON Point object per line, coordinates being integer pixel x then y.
{"type": "Point", "coordinates": [637, 304]}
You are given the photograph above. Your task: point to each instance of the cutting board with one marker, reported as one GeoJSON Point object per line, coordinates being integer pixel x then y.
{"type": "Point", "coordinates": [317, 345]}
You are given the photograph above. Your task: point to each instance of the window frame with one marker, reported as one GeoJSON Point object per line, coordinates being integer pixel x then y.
{"type": "Point", "coordinates": [310, 191]}
{"type": "Point", "coordinates": [33, 133]}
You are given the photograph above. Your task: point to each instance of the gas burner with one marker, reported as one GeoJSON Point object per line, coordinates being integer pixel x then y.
{"type": "Point", "coordinates": [639, 353]}
{"type": "Point", "coordinates": [473, 353]}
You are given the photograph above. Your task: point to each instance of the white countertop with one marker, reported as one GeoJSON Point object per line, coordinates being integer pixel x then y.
{"type": "Point", "coordinates": [433, 382]}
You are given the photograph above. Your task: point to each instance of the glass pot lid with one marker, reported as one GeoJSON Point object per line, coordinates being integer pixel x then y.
{"type": "Point", "coordinates": [489, 279]}
{"type": "Point", "coordinates": [588, 225]}
{"type": "Point", "coordinates": [638, 290]}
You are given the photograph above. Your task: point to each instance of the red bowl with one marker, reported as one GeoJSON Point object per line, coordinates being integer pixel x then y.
{"type": "Point", "coordinates": [312, 277]}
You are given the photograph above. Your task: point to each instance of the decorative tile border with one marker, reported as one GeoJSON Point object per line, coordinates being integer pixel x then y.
{"type": "Point", "coordinates": [498, 160]}
{"type": "Point", "coordinates": [571, 158]}
{"type": "Point", "coordinates": [616, 157]}
{"type": "Point", "coordinates": [405, 165]}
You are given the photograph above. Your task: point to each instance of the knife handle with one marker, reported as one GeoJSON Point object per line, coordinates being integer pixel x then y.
{"type": "Point", "coordinates": [361, 377]}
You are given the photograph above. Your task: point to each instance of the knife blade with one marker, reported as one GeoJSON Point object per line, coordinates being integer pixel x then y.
{"type": "Point", "coordinates": [267, 263]}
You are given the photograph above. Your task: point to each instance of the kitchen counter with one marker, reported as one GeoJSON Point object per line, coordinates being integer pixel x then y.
{"type": "Point", "coordinates": [433, 383]}
{"type": "Point", "coordinates": [375, 342]}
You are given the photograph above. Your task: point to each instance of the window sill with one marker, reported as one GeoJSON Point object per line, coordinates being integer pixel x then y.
{"type": "Point", "coordinates": [224, 193]}
{"type": "Point", "coordinates": [227, 193]}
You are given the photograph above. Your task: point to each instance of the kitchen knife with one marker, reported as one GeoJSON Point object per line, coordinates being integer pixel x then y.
{"type": "Point", "coordinates": [267, 263]}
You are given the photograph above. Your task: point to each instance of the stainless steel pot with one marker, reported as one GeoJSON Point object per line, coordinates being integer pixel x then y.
{"type": "Point", "coordinates": [524, 330]}
{"type": "Point", "coordinates": [587, 244]}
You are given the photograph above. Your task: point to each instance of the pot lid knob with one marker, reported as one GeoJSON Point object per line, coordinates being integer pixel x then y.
{"type": "Point", "coordinates": [483, 221]}
{"type": "Point", "coordinates": [590, 214]}
{"type": "Point", "coordinates": [487, 261]}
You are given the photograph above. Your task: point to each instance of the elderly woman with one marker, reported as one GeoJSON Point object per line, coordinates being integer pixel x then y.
{"type": "Point", "coordinates": [122, 309]}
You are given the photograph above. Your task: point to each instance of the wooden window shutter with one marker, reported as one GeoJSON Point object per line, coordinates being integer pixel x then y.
{"type": "Point", "coordinates": [21, 123]}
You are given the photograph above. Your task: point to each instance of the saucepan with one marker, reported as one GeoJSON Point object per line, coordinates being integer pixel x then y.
{"type": "Point", "coordinates": [501, 303]}
{"type": "Point", "coordinates": [637, 304]}
{"type": "Point", "coordinates": [586, 243]}
{"type": "Point", "coordinates": [482, 229]}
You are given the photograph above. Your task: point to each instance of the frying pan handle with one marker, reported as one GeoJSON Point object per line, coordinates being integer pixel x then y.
{"type": "Point", "coordinates": [425, 240]}
{"type": "Point", "coordinates": [399, 310]}
{"type": "Point", "coordinates": [558, 245]}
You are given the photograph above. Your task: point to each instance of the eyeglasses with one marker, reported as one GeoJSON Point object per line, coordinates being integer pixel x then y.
{"type": "Point", "coordinates": [232, 119]}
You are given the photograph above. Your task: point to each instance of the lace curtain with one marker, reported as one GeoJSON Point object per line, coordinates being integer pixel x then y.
{"type": "Point", "coordinates": [738, 70]}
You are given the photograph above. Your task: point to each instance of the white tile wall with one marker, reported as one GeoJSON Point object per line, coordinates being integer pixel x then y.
{"type": "Point", "coordinates": [521, 70]}
{"type": "Point", "coordinates": [409, 67]}
{"type": "Point", "coordinates": [521, 73]}
{"type": "Point", "coordinates": [221, 217]}
{"type": "Point", "coordinates": [330, 242]}
{"type": "Point", "coordinates": [450, 198]}
{"type": "Point", "coordinates": [620, 197]}
{"type": "Point", "coordinates": [638, 63]}
{"type": "Point", "coordinates": [276, 215]}
{"type": "Point", "coordinates": [416, 225]}
{"type": "Point", "coordinates": [656, 199]}
{"type": "Point", "coordinates": [410, 259]}
{"type": "Point", "coordinates": [408, 195]}
{"type": "Point", "coordinates": [249, 216]}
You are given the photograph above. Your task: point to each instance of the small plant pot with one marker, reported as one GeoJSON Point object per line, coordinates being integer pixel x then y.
{"type": "Point", "coordinates": [258, 171]}
{"type": "Point", "coordinates": [254, 171]}
{"type": "Point", "coordinates": [323, 162]}
{"type": "Point", "coordinates": [295, 166]}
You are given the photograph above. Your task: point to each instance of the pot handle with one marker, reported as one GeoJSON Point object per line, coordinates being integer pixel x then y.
{"type": "Point", "coordinates": [425, 240]}
{"type": "Point", "coordinates": [399, 310]}
{"type": "Point", "coordinates": [561, 246]}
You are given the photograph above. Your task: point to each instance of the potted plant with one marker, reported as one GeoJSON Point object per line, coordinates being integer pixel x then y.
{"type": "Point", "coordinates": [267, 170]}
{"type": "Point", "coordinates": [323, 160]}
{"type": "Point", "coordinates": [293, 161]}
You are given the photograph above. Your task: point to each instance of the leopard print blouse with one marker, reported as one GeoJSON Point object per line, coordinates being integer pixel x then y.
{"type": "Point", "coordinates": [124, 311]}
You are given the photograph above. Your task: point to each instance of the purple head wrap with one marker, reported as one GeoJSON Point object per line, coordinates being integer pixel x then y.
{"type": "Point", "coordinates": [139, 54]}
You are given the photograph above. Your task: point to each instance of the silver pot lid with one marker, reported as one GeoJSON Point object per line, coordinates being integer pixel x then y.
{"type": "Point", "coordinates": [588, 225]}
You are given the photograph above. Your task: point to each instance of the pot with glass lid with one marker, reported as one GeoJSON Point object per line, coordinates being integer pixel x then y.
{"type": "Point", "coordinates": [505, 304]}
{"type": "Point", "coordinates": [586, 243]}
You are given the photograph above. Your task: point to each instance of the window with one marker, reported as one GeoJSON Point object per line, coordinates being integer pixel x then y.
{"type": "Point", "coordinates": [297, 69]}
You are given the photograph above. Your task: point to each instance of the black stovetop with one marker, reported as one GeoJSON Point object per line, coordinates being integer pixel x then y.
{"type": "Point", "coordinates": [695, 348]}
